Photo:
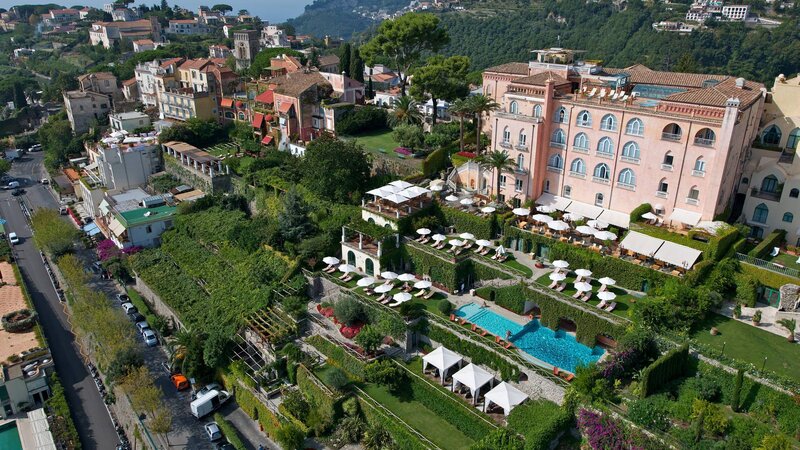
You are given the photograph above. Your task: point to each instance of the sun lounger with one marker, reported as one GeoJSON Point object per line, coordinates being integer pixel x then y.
{"type": "Point", "coordinates": [611, 307]}
{"type": "Point", "coordinates": [368, 291]}
{"type": "Point", "coordinates": [328, 268]}
{"type": "Point", "coordinates": [586, 297]}
{"type": "Point", "coordinates": [462, 321]}
{"type": "Point", "coordinates": [474, 327]}
{"type": "Point", "coordinates": [553, 285]}
{"type": "Point", "coordinates": [381, 298]}
{"type": "Point", "coordinates": [468, 245]}
{"type": "Point", "coordinates": [577, 294]}
{"type": "Point", "coordinates": [495, 256]}
{"type": "Point", "coordinates": [485, 251]}
{"type": "Point", "coordinates": [569, 377]}
{"type": "Point", "coordinates": [484, 332]}
{"type": "Point", "coordinates": [497, 339]}
{"type": "Point", "coordinates": [452, 317]}
{"type": "Point", "coordinates": [460, 250]}
{"type": "Point", "coordinates": [387, 301]}
{"type": "Point", "coordinates": [775, 251]}
{"type": "Point", "coordinates": [509, 345]}
{"type": "Point", "coordinates": [602, 304]}
{"type": "Point", "coordinates": [420, 293]}
{"type": "Point", "coordinates": [561, 287]}
{"type": "Point", "coordinates": [602, 288]}
{"type": "Point", "coordinates": [344, 275]}
{"type": "Point", "coordinates": [394, 304]}
{"type": "Point", "coordinates": [502, 258]}
{"type": "Point", "coordinates": [347, 278]}
{"type": "Point", "coordinates": [430, 294]}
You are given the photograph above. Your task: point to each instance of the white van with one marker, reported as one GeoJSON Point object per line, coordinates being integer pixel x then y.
{"type": "Point", "coordinates": [13, 185]}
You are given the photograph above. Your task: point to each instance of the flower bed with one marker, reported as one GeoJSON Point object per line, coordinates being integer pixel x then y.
{"type": "Point", "coordinates": [403, 151]}
{"type": "Point", "coordinates": [468, 155]}
{"type": "Point", "coordinates": [19, 321]}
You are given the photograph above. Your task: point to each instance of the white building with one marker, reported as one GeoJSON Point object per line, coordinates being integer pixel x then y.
{"type": "Point", "coordinates": [135, 219]}
{"type": "Point", "coordinates": [123, 15]}
{"type": "Point", "coordinates": [129, 121]}
{"type": "Point", "coordinates": [272, 37]}
{"type": "Point", "coordinates": [186, 27]}
{"type": "Point", "coordinates": [735, 13]}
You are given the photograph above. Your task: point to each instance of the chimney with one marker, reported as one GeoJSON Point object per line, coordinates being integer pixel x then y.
{"type": "Point", "coordinates": [740, 83]}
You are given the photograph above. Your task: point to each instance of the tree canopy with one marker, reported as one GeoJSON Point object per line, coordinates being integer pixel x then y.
{"type": "Point", "coordinates": [441, 79]}
{"type": "Point", "coordinates": [335, 170]}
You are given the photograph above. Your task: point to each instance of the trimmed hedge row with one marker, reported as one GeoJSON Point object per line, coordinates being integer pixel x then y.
{"type": "Point", "coordinates": [435, 162]}
{"type": "Point", "coordinates": [477, 354]}
{"type": "Point", "coordinates": [699, 272]}
{"type": "Point", "coordinates": [451, 275]}
{"type": "Point", "coordinates": [719, 245]}
{"type": "Point", "coordinates": [403, 438]}
{"type": "Point", "coordinates": [484, 272]}
{"type": "Point", "coordinates": [766, 277]}
{"type": "Point", "coordinates": [636, 214]}
{"type": "Point", "coordinates": [323, 404]}
{"type": "Point", "coordinates": [252, 406]}
{"type": "Point", "coordinates": [589, 326]}
{"type": "Point", "coordinates": [627, 275]}
{"type": "Point", "coordinates": [338, 356]}
{"type": "Point", "coordinates": [229, 431]}
{"type": "Point", "coordinates": [774, 239]}
{"type": "Point", "coordinates": [465, 222]}
{"type": "Point", "coordinates": [540, 422]}
{"type": "Point", "coordinates": [671, 365]}
{"type": "Point", "coordinates": [746, 289]}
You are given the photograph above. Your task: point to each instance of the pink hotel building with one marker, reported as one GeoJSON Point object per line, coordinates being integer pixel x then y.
{"type": "Point", "coordinates": [601, 141]}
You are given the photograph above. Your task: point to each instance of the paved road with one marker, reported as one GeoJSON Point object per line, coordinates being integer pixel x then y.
{"type": "Point", "coordinates": [88, 411]}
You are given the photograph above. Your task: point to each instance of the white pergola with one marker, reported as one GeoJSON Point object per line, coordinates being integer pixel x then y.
{"type": "Point", "coordinates": [443, 359]}
{"type": "Point", "coordinates": [505, 396]}
{"type": "Point", "coordinates": [474, 378]}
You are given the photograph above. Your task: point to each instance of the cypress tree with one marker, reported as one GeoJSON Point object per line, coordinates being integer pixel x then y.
{"type": "Point", "coordinates": [356, 65]}
{"type": "Point", "coordinates": [344, 58]}
{"type": "Point", "coordinates": [737, 390]}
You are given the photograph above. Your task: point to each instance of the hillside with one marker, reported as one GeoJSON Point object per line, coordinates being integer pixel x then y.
{"type": "Point", "coordinates": [342, 18]}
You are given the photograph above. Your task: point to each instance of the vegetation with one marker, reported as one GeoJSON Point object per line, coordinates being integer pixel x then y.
{"type": "Point", "coordinates": [673, 364]}
{"type": "Point", "coordinates": [539, 421]}
{"type": "Point", "coordinates": [772, 240]}
{"type": "Point", "coordinates": [62, 427]}
{"type": "Point", "coordinates": [51, 234]}
{"type": "Point", "coordinates": [335, 170]}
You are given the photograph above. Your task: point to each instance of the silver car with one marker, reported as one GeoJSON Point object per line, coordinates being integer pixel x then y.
{"type": "Point", "coordinates": [213, 431]}
{"type": "Point", "coordinates": [150, 338]}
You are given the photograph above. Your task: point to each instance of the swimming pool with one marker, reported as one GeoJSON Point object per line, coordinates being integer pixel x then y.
{"type": "Point", "coordinates": [553, 347]}
{"type": "Point", "coordinates": [9, 437]}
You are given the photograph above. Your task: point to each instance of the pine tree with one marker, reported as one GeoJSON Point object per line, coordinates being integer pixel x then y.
{"type": "Point", "coordinates": [737, 390]}
{"type": "Point", "coordinates": [293, 221]}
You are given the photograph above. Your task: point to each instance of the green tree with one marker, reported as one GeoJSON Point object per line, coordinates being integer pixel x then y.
{"type": "Point", "coordinates": [737, 390]}
{"type": "Point", "coordinates": [51, 234]}
{"type": "Point", "coordinates": [370, 338]}
{"type": "Point", "coordinates": [441, 79]}
{"type": "Point", "coordinates": [405, 111]}
{"type": "Point", "coordinates": [335, 170]}
{"type": "Point", "coordinates": [708, 418]}
{"type": "Point", "coordinates": [461, 109]}
{"type": "Point", "coordinates": [499, 161]}
{"type": "Point", "coordinates": [356, 65]}
{"type": "Point", "coordinates": [377, 438]}
{"type": "Point", "coordinates": [5, 166]}
{"type": "Point", "coordinates": [345, 52]}
{"type": "Point", "coordinates": [790, 325]}
{"type": "Point", "coordinates": [349, 311]}
{"type": "Point", "coordinates": [386, 373]}
{"type": "Point", "coordinates": [775, 441]}
{"type": "Point", "coordinates": [409, 136]}
{"type": "Point", "coordinates": [479, 105]}
{"type": "Point", "coordinates": [293, 220]}
{"type": "Point", "coordinates": [403, 41]}
{"type": "Point", "coordinates": [499, 439]}
{"type": "Point", "coordinates": [222, 7]}
{"type": "Point", "coordinates": [290, 437]}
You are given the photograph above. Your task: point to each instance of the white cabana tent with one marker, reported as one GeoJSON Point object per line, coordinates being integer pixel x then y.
{"type": "Point", "coordinates": [474, 378]}
{"type": "Point", "coordinates": [616, 218]}
{"type": "Point", "coordinates": [396, 198]}
{"type": "Point", "coordinates": [686, 217]}
{"type": "Point", "coordinates": [443, 359]}
{"type": "Point", "coordinates": [400, 184]}
{"type": "Point", "coordinates": [677, 255]}
{"type": "Point", "coordinates": [641, 243]}
{"type": "Point", "coordinates": [505, 396]}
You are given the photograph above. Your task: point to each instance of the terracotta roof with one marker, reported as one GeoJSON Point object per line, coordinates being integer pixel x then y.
{"type": "Point", "coordinates": [258, 120]}
{"type": "Point", "coordinates": [143, 41]}
{"type": "Point", "coordinates": [382, 77]}
{"type": "Point", "coordinates": [64, 11]}
{"type": "Point", "coordinates": [640, 74]}
{"type": "Point", "coordinates": [72, 174]}
{"type": "Point", "coordinates": [327, 60]}
{"type": "Point", "coordinates": [285, 107]}
{"type": "Point", "coordinates": [168, 62]}
{"type": "Point", "coordinates": [294, 84]}
{"type": "Point", "coordinates": [98, 76]}
{"type": "Point", "coordinates": [267, 97]}
{"type": "Point", "coordinates": [182, 21]}
{"type": "Point", "coordinates": [133, 24]}
{"type": "Point", "coordinates": [226, 103]}
{"type": "Point", "coordinates": [266, 140]}
{"type": "Point", "coordinates": [513, 68]}
{"type": "Point", "coordinates": [718, 95]}
{"type": "Point", "coordinates": [129, 82]}
{"type": "Point", "coordinates": [540, 79]}
{"type": "Point", "coordinates": [195, 64]}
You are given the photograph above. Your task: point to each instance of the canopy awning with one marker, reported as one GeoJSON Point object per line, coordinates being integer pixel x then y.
{"type": "Point", "coordinates": [414, 192]}
{"type": "Point", "coordinates": [442, 359]}
{"type": "Point", "coordinates": [117, 228]}
{"type": "Point", "coordinates": [505, 396]}
{"type": "Point", "coordinates": [677, 255]}
{"type": "Point", "coordinates": [616, 218]}
{"type": "Point", "coordinates": [585, 209]}
{"type": "Point", "coordinates": [91, 229]}
{"type": "Point", "coordinates": [473, 377]}
{"type": "Point", "coordinates": [559, 203]}
{"type": "Point", "coordinates": [396, 198]}
{"type": "Point", "coordinates": [641, 243]}
{"type": "Point", "coordinates": [687, 217]}
{"type": "Point", "coordinates": [401, 184]}
{"type": "Point", "coordinates": [266, 140]}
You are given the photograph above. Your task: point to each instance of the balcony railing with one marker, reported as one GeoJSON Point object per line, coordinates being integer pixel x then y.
{"type": "Point", "coordinates": [661, 194]}
{"type": "Point", "coordinates": [520, 170]}
{"type": "Point", "coordinates": [666, 167]}
{"type": "Point", "coordinates": [585, 124]}
{"type": "Point", "coordinates": [605, 155]}
{"type": "Point", "coordinates": [504, 144]}
{"type": "Point", "coordinates": [600, 180]}
{"type": "Point", "coordinates": [555, 169]}
{"type": "Point", "coordinates": [629, 159]}
{"type": "Point", "coordinates": [692, 201]}
{"type": "Point", "coordinates": [628, 186]}
{"type": "Point", "coordinates": [704, 142]}
{"type": "Point", "coordinates": [698, 173]}
{"type": "Point", "coordinates": [671, 136]}
{"type": "Point", "coordinates": [557, 144]}
{"type": "Point", "coordinates": [765, 195]}
{"type": "Point", "coordinates": [787, 156]}
{"type": "Point", "coordinates": [581, 149]}
{"type": "Point", "coordinates": [577, 174]}
{"type": "Point", "coordinates": [521, 147]}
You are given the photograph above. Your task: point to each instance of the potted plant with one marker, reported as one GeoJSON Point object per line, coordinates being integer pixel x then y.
{"type": "Point", "coordinates": [714, 331]}
{"type": "Point", "coordinates": [757, 317]}
{"type": "Point", "coordinates": [790, 325]}
{"type": "Point", "coordinates": [737, 311]}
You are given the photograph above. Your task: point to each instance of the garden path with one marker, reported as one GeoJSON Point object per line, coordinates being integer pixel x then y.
{"type": "Point", "coordinates": [768, 317]}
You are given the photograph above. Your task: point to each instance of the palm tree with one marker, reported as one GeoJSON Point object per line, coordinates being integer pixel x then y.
{"type": "Point", "coordinates": [498, 160]}
{"type": "Point", "coordinates": [405, 112]}
{"type": "Point", "coordinates": [479, 105]}
{"type": "Point", "coordinates": [790, 325]}
{"type": "Point", "coordinates": [461, 109]}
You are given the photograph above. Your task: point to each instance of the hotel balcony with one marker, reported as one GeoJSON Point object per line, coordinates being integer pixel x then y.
{"type": "Point", "coordinates": [364, 244]}
{"type": "Point", "coordinates": [557, 144]}
{"type": "Point", "coordinates": [670, 137]}
{"type": "Point", "coordinates": [704, 142]}
{"type": "Point", "coordinates": [600, 180]}
{"type": "Point", "coordinates": [505, 144]}
{"type": "Point", "coordinates": [765, 195]}
{"type": "Point", "coordinates": [692, 201]}
{"type": "Point", "coordinates": [520, 171]}
{"type": "Point", "coordinates": [521, 117]}
{"type": "Point", "coordinates": [581, 149]}
{"type": "Point", "coordinates": [521, 147]}
{"type": "Point", "coordinates": [661, 194]}
{"type": "Point", "coordinates": [626, 186]}
{"type": "Point", "coordinates": [555, 169]}
{"type": "Point", "coordinates": [395, 212]}
{"type": "Point", "coordinates": [667, 167]}
{"type": "Point", "coordinates": [698, 173]}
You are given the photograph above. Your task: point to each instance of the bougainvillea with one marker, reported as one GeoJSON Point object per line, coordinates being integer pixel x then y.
{"type": "Point", "coordinates": [621, 364]}
{"type": "Point", "coordinates": [106, 249]}
{"type": "Point", "coordinates": [602, 432]}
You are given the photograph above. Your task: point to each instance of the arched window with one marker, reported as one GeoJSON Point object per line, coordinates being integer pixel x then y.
{"type": "Point", "coordinates": [567, 191]}
{"type": "Point", "coordinates": [626, 176]}
{"type": "Point", "coordinates": [506, 135]}
{"type": "Point", "coordinates": [609, 123]}
{"type": "Point", "coordinates": [663, 186]}
{"type": "Point", "coordinates": [668, 159]}
{"type": "Point", "coordinates": [605, 146]}
{"type": "Point", "coordinates": [794, 138]}
{"type": "Point", "coordinates": [558, 138]}
{"type": "Point", "coordinates": [704, 137]}
{"type": "Point", "coordinates": [351, 258]}
{"type": "Point", "coordinates": [771, 135]}
{"type": "Point", "coordinates": [537, 111]}
{"type": "Point", "coordinates": [672, 132]}
{"type": "Point", "coordinates": [794, 193]}
{"type": "Point", "coordinates": [241, 115]}
{"type": "Point", "coordinates": [788, 217]}
{"type": "Point", "coordinates": [598, 199]}
{"type": "Point", "coordinates": [761, 213]}
{"type": "Point", "coordinates": [555, 161]}
{"type": "Point", "coordinates": [521, 162]}
{"type": "Point", "coordinates": [631, 151]}
{"type": "Point", "coordinates": [700, 165]}
{"type": "Point", "coordinates": [581, 141]}
{"type": "Point", "coordinates": [769, 184]}
{"type": "Point", "coordinates": [635, 127]}
{"type": "Point", "coordinates": [561, 115]}
{"type": "Point", "coordinates": [694, 193]}
{"type": "Point", "coordinates": [601, 171]}
{"type": "Point", "coordinates": [369, 267]}
{"type": "Point", "coordinates": [523, 138]}
{"type": "Point", "coordinates": [578, 166]}
{"type": "Point", "coordinates": [513, 108]}
{"type": "Point", "coordinates": [584, 119]}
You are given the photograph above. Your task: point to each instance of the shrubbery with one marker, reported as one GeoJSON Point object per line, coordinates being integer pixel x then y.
{"type": "Point", "coordinates": [772, 240]}
{"type": "Point", "coordinates": [338, 356]}
{"type": "Point", "coordinates": [539, 421]}
{"type": "Point", "coordinates": [673, 364]}
{"type": "Point", "coordinates": [361, 119]}
{"type": "Point", "coordinates": [636, 214]}
{"type": "Point", "coordinates": [322, 403]}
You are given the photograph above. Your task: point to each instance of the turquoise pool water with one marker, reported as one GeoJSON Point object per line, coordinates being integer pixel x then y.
{"type": "Point", "coordinates": [554, 347]}
{"type": "Point", "coordinates": [9, 437]}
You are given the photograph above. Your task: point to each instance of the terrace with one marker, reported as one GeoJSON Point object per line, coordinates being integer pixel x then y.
{"type": "Point", "coordinates": [397, 200]}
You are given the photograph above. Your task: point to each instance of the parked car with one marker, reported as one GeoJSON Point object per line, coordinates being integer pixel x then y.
{"type": "Point", "coordinates": [206, 389]}
{"type": "Point", "coordinates": [17, 192]}
{"type": "Point", "coordinates": [213, 431]}
{"type": "Point", "coordinates": [224, 446]}
{"type": "Point", "coordinates": [150, 337]}
{"type": "Point", "coordinates": [45, 180]}
{"type": "Point", "coordinates": [136, 317]}
{"type": "Point", "coordinates": [129, 308]}
{"type": "Point", "coordinates": [13, 238]}
{"type": "Point", "coordinates": [35, 148]}
{"type": "Point", "coordinates": [123, 298]}
{"type": "Point", "coordinates": [12, 185]}
{"type": "Point", "coordinates": [63, 211]}
{"type": "Point", "coordinates": [179, 381]}
{"type": "Point", "coordinates": [141, 326]}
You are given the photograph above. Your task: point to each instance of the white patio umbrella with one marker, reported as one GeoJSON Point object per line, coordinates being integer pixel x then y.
{"type": "Point", "coordinates": [521, 211]}
{"type": "Point", "coordinates": [401, 297]}
{"type": "Point", "coordinates": [584, 229]}
{"type": "Point", "coordinates": [423, 231]}
{"type": "Point", "coordinates": [484, 243]}
{"type": "Point", "coordinates": [597, 224]}
{"type": "Point", "coordinates": [558, 225]}
{"type": "Point", "coordinates": [488, 209]}
{"type": "Point", "coordinates": [407, 277]}
{"type": "Point", "coordinates": [330, 260]}
{"type": "Point", "coordinates": [366, 281]}
{"type": "Point", "coordinates": [401, 184]}
{"type": "Point", "coordinates": [583, 286]}
{"type": "Point", "coordinates": [583, 272]}
{"type": "Point", "coordinates": [547, 209]}
{"type": "Point", "coordinates": [467, 236]}
{"type": "Point", "coordinates": [467, 201]}
{"type": "Point", "coordinates": [649, 216]}
{"type": "Point", "coordinates": [543, 218]}
{"type": "Point", "coordinates": [382, 289]}
{"type": "Point", "coordinates": [607, 281]}
{"type": "Point", "coordinates": [451, 198]}
{"type": "Point", "coordinates": [438, 237]}
{"type": "Point", "coordinates": [347, 268]}
{"type": "Point", "coordinates": [500, 250]}
{"type": "Point", "coordinates": [573, 217]}
{"type": "Point", "coordinates": [456, 243]}
{"type": "Point", "coordinates": [558, 276]}
{"type": "Point", "coordinates": [605, 236]}
{"type": "Point", "coordinates": [396, 198]}
{"type": "Point", "coordinates": [424, 284]}
{"type": "Point", "coordinates": [560, 263]}
{"type": "Point", "coordinates": [388, 275]}
{"type": "Point", "coordinates": [606, 295]}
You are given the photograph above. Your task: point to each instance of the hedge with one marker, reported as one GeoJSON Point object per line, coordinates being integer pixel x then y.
{"type": "Point", "coordinates": [360, 119]}
{"type": "Point", "coordinates": [403, 438]}
{"type": "Point", "coordinates": [540, 422]}
{"type": "Point", "coordinates": [699, 272]}
{"type": "Point", "coordinates": [719, 245]}
{"type": "Point", "coordinates": [230, 432]}
{"type": "Point", "coordinates": [746, 289]}
{"type": "Point", "coordinates": [466, 222]}
{"type": "Point", "coordinates": [435, 162]}
{"type": "Point", "coordinates": [338, 356]}
{"type": "Point", "coordinates": [19, 326]}
{"type": "Point", "coordinates": [627, 275]}
{"type": "Point", "coordinates": [766, 277]}
{"type": "Point", "coordinates": [774, 239]}
{"type": "Point", "coordinates": [323, 404]}
{"type": "Point", "coordinates": [477, 354]}
{"type": "Point", "coordinates": [451, 275]}
{"type": "Point", "coordinates": [636, 214]}
{"type": "Point", "coordinates": [252, 406]}
{"type": "Point", "coordinates": [588, 325]}
{"type": "Point", "coordinates": [671, 365]}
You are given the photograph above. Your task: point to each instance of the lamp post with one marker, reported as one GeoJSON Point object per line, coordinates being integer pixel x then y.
{"type": "Point", "coordinates": [723, 349]}
{"type": "Point", "coordinates": [764, 365]}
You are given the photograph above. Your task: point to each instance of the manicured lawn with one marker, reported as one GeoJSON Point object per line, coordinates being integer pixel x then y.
{"type": "Point", "coordinates": [514, 264]}
{"type": "Point", "coordinates": [382, 144]}
{"type": "Point", "coordinates": [625, 301]}
{"type": "Point", "coordinates": [786, 261]}
{"type": "Point", "coordinates": [749, 344]}
{"type": "Point", "coordinates": [663, 233]}
{"type": "Point", "coordinates": [222, 149]}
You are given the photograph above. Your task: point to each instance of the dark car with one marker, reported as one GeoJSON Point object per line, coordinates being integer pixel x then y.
{"type": "Point", "coordinates": [224, 446]}
{"type": "Point", "coordinates": [136, 317]}
{"type": "Point", "coordinates": [123, 298]}
{"type": "Point", "coordinates": [17, 192]}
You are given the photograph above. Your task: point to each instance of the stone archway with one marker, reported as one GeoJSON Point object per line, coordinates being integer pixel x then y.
{"type": "Point", "coordinates": [351, 258]}
{"type": "Point", "coordinates": [567, 324]}
{"type": "Point", "coordinates": [369, 267]}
